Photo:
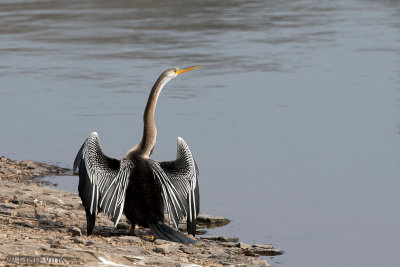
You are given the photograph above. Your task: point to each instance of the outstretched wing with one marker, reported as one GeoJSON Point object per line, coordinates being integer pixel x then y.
{"type": "Point", "coordinates": [102, 180]}
{"type": "Point", "coordinates": [179, 180]}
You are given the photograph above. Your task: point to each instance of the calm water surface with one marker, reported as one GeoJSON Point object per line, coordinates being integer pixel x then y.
{"type": "Point", "coordinates": [293, 117]}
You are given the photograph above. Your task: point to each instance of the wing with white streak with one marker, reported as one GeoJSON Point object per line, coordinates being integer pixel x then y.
{"type": "Point", "coordinates": [180, 187]}
{"type": "Point", "coordinates": [102, 180]}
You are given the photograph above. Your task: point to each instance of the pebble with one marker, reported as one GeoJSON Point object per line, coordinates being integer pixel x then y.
{"type": "Point", "coordinates": [130, 239]}
{"type": "Point", "coordinates": [7, 212]}
{"type": "Point", "coordinates": [264, 246]}
{"type": "Point", "coordinates": [217, 253]}
{"type": "Point", "coordinates": [244, 246]}
{"type": "Point", "coordinates": [42, 216]}
{"type": "Point", "coordinates": [166, 248]}
{"type": "Point", "coordinates": [161, 242]}
{"type": "Point", "coordinates": [189, 250]}
{"type": "Point", "coordinates": [230, 244]}
{"type": "Point", "coordinates": [249, 252]}
{"type": "Point", "coordinates": [212, 221]}
{"type": "Point", "coordinates": [75, 231]}
{"type": "Point", "coordinates": [267, 252]}
{"type": "Point", "coordinates": [15, 200]}
{"type": "Point", "coordinates": [8, 206]}
{"type": "Point", "coordinates": [221, 238]}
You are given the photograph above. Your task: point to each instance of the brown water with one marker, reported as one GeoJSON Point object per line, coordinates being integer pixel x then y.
{"type": "Point", "coordinates": [293, 117]}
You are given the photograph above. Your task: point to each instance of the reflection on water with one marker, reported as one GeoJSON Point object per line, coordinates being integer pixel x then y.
{"type": "Point", "coordinates": [292, 118]}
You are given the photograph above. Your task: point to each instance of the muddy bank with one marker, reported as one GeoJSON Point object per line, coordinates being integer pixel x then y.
{"type": "Point", "coordinates": [39, 224]}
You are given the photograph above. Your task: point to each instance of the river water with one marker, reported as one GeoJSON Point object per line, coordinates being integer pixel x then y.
{"type": "Point", "coordinates": [293, 117]}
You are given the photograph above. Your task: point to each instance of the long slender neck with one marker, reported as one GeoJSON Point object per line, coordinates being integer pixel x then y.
{"type": "Point", "coordinates": [145, 147]}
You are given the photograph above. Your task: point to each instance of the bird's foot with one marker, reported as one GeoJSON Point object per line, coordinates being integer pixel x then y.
{"type": "Point", "coordinates": [149, 237]}
{"type": "Point", "coordinates": [132, 230]}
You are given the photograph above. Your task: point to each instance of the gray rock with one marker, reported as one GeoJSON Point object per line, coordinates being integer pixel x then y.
{"type": "Point", "coordinates": [56, 244]}
{"type": "Point", "coordinates": [221, 238]}
{"type": "Point", "coordinates": [8, 212]}
{"type": "Point", "coordinates": [244, 246]}
{"type": "Point", "coordinates": [89, 243]}
{"type": "Point", "coordinates": [201, 256]}
{"type": "Point", "coordinates": [8, 206]}
{"type": "Point", "coordinates": [161, 242]}
{"type": "Point", "coordinates": [15, 200]}
{"type": "Point", "coordinates": [264, 246]}
{"type": "Point", "coordinates": [217, 253]}
{"type": "Point", "coordinates": [75, 231]}
{"type": "Point", "coordinates": [212, 221]}
{"type": "Point", "coordinates": [41, 216]}
{"type": "Point", "coordinates": [267, 252]}
{"type": "Point", "coordinates": [249, 252]}
{"type": "Point", "coordinates": [230, 244]}
{"type": "Point", "coordinates": [189, 250]}
{"type": "Point", "coordinates": [257, 262]}
{"type": "Point", "coordinates": [27, 224]}
{"type": "Point", "coordinates": [166, 248]}
{"type": "Point", "coordinates": [228, 239]}
{"type": "Point", "coordinates": [130, 239]}
{"type": "Point", "coordinates": [79, 240]}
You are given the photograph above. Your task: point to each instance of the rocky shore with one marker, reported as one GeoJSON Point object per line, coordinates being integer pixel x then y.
{"type": "Point", "coordinates": [26, 170]}
{"type": "Point", "coordinates": [47, 226]}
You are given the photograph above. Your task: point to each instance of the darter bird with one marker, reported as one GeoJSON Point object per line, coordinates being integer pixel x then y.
{"type": "Point", "coordinates": [138, 185]}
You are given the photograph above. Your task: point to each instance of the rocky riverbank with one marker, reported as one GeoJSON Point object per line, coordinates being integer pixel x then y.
{"type": "Point", "coordinates": [39, 224]}
{"type": "Point", "coordinates": [26, 170]}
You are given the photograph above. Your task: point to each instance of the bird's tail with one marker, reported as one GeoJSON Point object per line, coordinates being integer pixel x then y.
{"type": "Point", "coordinates": [163, 231]}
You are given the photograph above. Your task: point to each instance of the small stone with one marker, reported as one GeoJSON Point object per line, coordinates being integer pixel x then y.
{"type": "Point", "coordinates": [9, 206]}
{"type": "Point", "coordinates": [161, 242]}
{"type": "Point", "coordinates": [230, 244]}
{"type": "Point", "coordinates": [130, 239]}
{"type": "Point", "coordinates": [244, 245]}
{"type": "Point", "coordinates": [56, 244]}
{"type": "Point", "coordinates": [58, 224]}
{"type": "Point", "coordinates": [189, 250]}
{"type": "Point", "coordinates": [25, 224]}
{"type": "Point", "coordinates": [73, 217]}
{"type": "Point", "coordinates": [15, 200]}
{"type": "Point", "coordinates": [79, 240]}
{"type": "Point", "coordinates": [217, 253]}
{"type": "Point", "coordinates": [41, 216]}
{"type": "Point", "coordinates": [201, 256]}
{"type": "Point", "coordinates": [258, 262]}
{"type": "Point", "coordinates": [7, 212]}
{"type": "Point", "coordinates": [30, 165]}
{"type": "Point", "coordinates": [264, 246]}
{"type": "Point", "coordinates": [75, 231]}
{"type": "Point", "coordinates": [221, 238]}
{"type": "Point", "coordinates": [267, 252]}
{"type": "Point", "coordinates": [166, 248]}
{"type": "Point", "coordinates": [249, 252]}
{"type": "Point", "coordinates": [212, 221]}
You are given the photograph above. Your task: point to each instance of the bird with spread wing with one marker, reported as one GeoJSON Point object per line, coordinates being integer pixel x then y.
{"type": "Point", "coordinates": [139, 186]}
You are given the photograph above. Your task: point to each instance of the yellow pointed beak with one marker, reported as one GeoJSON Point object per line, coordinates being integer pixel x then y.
{"type": "Point", "coordinates": [180, 71]}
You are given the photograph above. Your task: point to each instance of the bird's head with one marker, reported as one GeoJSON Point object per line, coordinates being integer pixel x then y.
{"type": "Point", "coordinates": [172, 73]}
